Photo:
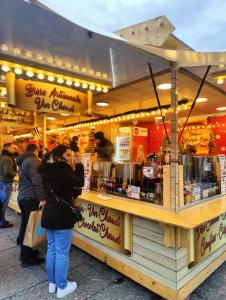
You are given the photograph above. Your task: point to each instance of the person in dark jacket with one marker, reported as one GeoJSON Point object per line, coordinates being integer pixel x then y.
{"type": "Point", "coordinates": [31, 196]}
{"type": "Point", "coordinates": [74, 144]}
{"type": "Point", "coordinates": [60, 182]}
{"type": "Point", "coordinates": [7, 173]}
{"type": "Point", "coordinates": [104, 147]}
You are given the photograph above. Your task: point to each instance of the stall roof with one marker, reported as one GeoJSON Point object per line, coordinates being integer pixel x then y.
{"type": "Point", "coordinates": [42, 32]}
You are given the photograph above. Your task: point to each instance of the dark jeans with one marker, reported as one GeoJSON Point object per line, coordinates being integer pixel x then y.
{"type": "Point", "coordinates": [26, 206]}
{"type": "Point", "coordinates": [5, 192]}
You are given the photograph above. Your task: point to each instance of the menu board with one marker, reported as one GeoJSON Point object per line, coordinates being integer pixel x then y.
{"type": "Point", "coordinates": [198, 137]}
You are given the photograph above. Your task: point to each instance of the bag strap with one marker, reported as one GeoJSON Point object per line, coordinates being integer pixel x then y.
{"type": "Point", "coordinates": [58, 199]}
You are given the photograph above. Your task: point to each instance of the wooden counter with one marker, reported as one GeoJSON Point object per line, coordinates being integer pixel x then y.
{"type": "Point", "coordinates": [188, 218]}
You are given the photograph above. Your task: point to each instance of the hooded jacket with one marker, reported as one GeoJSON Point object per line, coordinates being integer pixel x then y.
{"type": "Point", "coordinates": [30, 182]}
{"type": "Point", "coordinates": [63, 180]}
{"type": "Point", "coordinates": [7, 167]}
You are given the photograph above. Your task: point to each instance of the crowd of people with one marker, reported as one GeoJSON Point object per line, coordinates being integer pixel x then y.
{"type": "Point", "coordinates": [49, 181]}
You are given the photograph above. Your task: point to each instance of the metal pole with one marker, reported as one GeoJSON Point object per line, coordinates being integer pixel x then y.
{"type": "Point", "coordinates": [174, 173]}
{"type": "Point", "coordinates": [158, 100]}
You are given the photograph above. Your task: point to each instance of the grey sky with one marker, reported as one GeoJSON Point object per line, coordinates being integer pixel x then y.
{"type": "Point", "coordinates": [199, 23]}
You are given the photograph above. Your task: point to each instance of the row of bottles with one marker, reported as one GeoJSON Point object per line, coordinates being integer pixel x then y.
{"type": "Point", "coordinates": [149, 190]}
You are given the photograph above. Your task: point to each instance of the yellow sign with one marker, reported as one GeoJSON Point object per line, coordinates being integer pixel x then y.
{"type": "Point", "coordinates": [199, 138]}
{"type": "Point", "coordinates": [50, 98]}
{"type": "Point", "coordinates": [107, 226]}
{"type": "Point", "coordinates": [209, 237]}
{"type": "Point", "coordinates": [15, 117]}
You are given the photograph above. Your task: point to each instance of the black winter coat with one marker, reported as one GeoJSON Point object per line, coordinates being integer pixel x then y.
{"type": "Point", "coordinates": [60, 178]}
{"type": "Point", "coordinates": [30, 183]}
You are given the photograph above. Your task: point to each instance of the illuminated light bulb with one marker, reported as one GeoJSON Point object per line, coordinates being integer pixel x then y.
{"type": "Point", "coordinates": [68, 65]}
{"type": "Point", "coordinates": [92, 87]}
{"type": "Point", "coordinates": [223, 125]}
{"type": "Point", "coordinates": [98, 74]}
{"type": "Point", "coordinates": [221, 65]}
{"type": "Point", "coordinates": [18, 70]}
{"type": "Point", "coordinates": [142, 115]}
{"type": "Point", "coordinates": [51, 78]}
{"type": "Point", "coordinates": [4, 47]}
{"type": "Point", "coordinates": [3, 77]}
{"type": "Point", "coordinates": [200, 100]}
{"type": "Point", "coordinates": [39, 57]}
{"type": "Point", "coordinates": [76, 67]}
{"type": "Point", "coordinates": [84, 85]}
{"type": "Point", "coordinates": [84, 70]}
{"type": "Point", "coordinates": [50, 60]}
{"type": "Point", "coordinates": [105, 76]}
{"type": "Point", "coordinates": [185, 107]}
{"type": "Point", "coordinates": [105, 90]}
{"type": "Point", "coordinates": [41, 76]}
{"type": "Point", "coordinates": [220, 81]}
{"type": "Point", "coordinates": [5, 68]}
{"type": "Point", "coordinates": [59, 62]}
{"type": "Point", "coordinates": [60, 80]}
{"type": "Point", "coordinates": [69, 82]}
{"type": "Point", "coordinates": [17, 50]}
{"type": "Point", "coordinates": [99, 88]}
{"type": "Point", "coordinates": [91, 72]}
{"type": "Point", "coordinates": [28, 54]}
{"type": "Point", "coordinates": [3, 92]}
{"type": "Point", "coordinates": [153, 113]}
{"type": "Point", "coordinates": [178, 108]}
{"type": "Point", "coordinates": [30, 73]}
{"type": "Point", "coordinates": [77, 84]}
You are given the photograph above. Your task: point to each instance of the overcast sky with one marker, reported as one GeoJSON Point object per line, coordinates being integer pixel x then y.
{"type": "Point", "coordinates": [199, 23]}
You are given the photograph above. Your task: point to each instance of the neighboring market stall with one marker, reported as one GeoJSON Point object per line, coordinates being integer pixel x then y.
{"type": "Point", "coordinates": [157, 212]}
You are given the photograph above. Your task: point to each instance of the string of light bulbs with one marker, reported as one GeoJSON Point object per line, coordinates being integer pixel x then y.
{"type": "Point", "coordinates": [51, 77]}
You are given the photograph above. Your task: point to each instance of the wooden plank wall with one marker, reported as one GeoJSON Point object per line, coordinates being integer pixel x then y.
{"type": "Point", "coordinates": [152, 258]}
{"type": "Point", "coordinates": [150, 255]}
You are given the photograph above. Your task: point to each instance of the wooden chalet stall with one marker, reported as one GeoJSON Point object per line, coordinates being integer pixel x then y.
{"type": "Point", "coordinates": [166, 229]}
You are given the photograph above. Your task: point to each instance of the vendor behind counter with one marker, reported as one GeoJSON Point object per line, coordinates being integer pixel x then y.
{"type": "Point", "coordinates": [104, 147]}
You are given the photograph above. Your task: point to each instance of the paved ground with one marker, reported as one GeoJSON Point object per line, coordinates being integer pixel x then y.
{"type": "Point", "coordinates": [96, 281]}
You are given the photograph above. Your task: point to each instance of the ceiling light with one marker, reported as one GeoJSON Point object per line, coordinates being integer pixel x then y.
{"type": "Point", "coordinates": [51, 78]}
{"type": "Point", "coordinates": [18, 71]}
{"type": "Point", "coordinates": [77, 83]}
{"type": "Point", "coordinates": [3, 92]}
{"type": "Point", "coordinates": [84, 70]}
{"type": "Point", "coordinates": [220, 81]}
{"type": "Point", "coordinates": [84, 85]}
{"type": "Point", "coordinates": [65, 115]}
{"type": "Point", "coordinates": [5, 68]}
{"type": "Point", "coordinates": [39, 57]}
{"type": "Point", "coordinates": [199, 100]}
{"type": "Point", "coordinates": [60, 80]}
{"type": "Point", "coordinates": [51, 118]}
{"type": "Point", "coordinates": [30, 74]}
{"type": "Point", "coordinates": [221, 108]}
{"type": "Point", "coordinates": [92, 87]}
{"type": "Point", "coordinates": [69, 82]}
{"type": "Point", "coordinates": [41, 76]}
{"type": "Point", "coordinates": [103, 104]}
{"type": "Point", "coordinates": [99, 88]}
{"type": "Point", "coordinates": [105, 90]}
{"type": "Point", "coordinates": [158, 118]}
{"type": "Point", "coordinates": [164, 86]}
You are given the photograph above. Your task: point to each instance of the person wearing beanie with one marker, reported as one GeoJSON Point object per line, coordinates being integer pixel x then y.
{"type": "Point", "coordinates": [104, 147]}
